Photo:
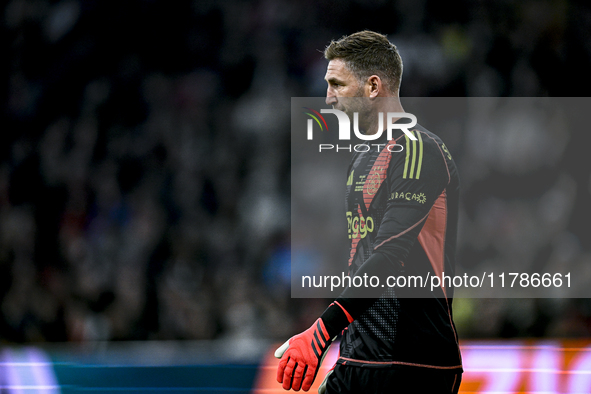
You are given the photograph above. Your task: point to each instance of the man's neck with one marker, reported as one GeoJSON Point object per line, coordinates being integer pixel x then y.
{"type": "Point", "coordinates": [382, 107]}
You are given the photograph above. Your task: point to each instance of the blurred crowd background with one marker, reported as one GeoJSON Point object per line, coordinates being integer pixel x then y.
{"type": "Point", "coordinates": [145, 166]}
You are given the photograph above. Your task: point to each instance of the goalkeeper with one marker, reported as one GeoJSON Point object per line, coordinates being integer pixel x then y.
{"type": "Point", "coordinates": [399, 339]}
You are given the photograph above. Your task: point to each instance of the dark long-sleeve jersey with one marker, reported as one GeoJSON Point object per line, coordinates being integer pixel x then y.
{"type": "Point", "coordinates": [402, 210]}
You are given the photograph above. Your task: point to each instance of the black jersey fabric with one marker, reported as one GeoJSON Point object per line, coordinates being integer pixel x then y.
{"type": "Point", "coordinates": [402, 211]}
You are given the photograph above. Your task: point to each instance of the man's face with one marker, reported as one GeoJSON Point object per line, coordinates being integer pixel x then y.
{"type": "Point", "coordinates": [342, 83]}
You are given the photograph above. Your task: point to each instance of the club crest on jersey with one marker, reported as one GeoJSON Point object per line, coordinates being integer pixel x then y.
{"type": "Point", "coordinates": [373, 183]}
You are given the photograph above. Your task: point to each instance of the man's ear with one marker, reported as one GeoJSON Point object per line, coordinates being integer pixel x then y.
{"type": "Point", "coordinates": [374, 86]}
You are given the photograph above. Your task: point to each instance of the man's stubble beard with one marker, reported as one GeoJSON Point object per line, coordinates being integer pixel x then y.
{"type": "Point", "coordinates": [352, 104]}
{"type": "Point", "coordinates": [360, 104]}
{"type": "Point", "coordinates": [365, 110]}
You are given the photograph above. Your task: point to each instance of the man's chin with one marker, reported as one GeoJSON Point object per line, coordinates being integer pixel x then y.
{"type": "Point", "coordinates": [347, 112]}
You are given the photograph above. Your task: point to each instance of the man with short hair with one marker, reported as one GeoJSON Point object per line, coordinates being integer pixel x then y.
{"type": "Point", "coordinates": [401, 339]}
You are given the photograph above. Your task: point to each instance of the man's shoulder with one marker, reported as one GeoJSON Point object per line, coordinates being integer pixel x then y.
{"type": "Point", "coordinates": [426, 135]}
{"type": "Point", "coordinates": [431, 143]}
{"type": "Point", "coordinates": [424, 143]}
{"type": "Point", "coordinates": [423, 158]}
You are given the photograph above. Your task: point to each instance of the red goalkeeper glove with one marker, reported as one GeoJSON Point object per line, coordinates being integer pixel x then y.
{"type": "Point", "coordinates": [301, 357]}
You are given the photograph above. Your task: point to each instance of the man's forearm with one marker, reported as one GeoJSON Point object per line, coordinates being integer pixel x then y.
{"type": "Point", "coordinates": [353, 301]}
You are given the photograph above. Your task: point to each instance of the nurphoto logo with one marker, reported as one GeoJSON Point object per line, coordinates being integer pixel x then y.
{"type": "Point", "coordinates": [344, 124]}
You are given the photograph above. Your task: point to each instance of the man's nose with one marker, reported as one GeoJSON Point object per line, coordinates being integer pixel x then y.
{"type": "Point", "coordinates": [330, 99]}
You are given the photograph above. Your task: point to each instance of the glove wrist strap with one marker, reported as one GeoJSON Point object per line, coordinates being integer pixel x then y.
{"type": "Point", "coordinates": [335, 319]}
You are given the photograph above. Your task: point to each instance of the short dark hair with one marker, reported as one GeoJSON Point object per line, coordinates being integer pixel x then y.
{"type": "Point", "coordinates": [368, 53]}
